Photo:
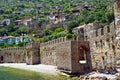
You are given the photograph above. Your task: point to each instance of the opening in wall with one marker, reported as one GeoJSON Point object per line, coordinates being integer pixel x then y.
{"type": "Point", "coordinates": [102, 33]}
{"type": "Point", "coordinates": [101, 43]}
{"type": "Point", "coordinates": [1, 59]}
{"type": "Point", "coordinates": [108, 29]}
{"type": "Point", "coordinates": [96, 32]}
{"type": "Point", "coordinates": [86, 37]}
{"type": "Point", "coordinates": [96, 44]}
{"type": "Point", "coordinates": [112, 38]}
{"type": "Point", "coordinates": [108, 43]}
{"type": "Point", "coordinates": [82, 55]}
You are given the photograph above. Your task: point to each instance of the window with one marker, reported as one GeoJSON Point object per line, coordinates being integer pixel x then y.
{"type": "Point", "coordinates": [96, 44]}
{"type": "Point", "coordinates": [96, 32]}
{"type": "Point", "coordinates": [108, 29]}
{"type": "Point", "coordinates": [82, 56]}
{"type": "Point", "coordinates": [86, 37]}
{"type": "Point", "coordinates": [101, 43]}
{"type": "Point", "coordinates": [82, 30]}
{"type": "Point", "coordinates": [102, 32]}
{"type": "Point", "coordinates": [108, 43]}
{"type": "Point", "coordinates": [112, 38]}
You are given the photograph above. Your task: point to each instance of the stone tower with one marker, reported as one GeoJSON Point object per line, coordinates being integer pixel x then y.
{"type": "Point", "coordinates": [117, 17]}
{"type": "Point", "coordinates": [32, 53]}
{"type": "Point", "coordinates": [117, 25]}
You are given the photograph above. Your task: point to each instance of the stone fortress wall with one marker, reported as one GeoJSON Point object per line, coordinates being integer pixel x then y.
{"type": "Point", "coordinates": [99, 48]}
{"type": "Point", "coordinates": [13, 55]}
{"type": "Point", "coordinates": [70, 55]}
{"type": "Point", "coordinates": [103, 46]}
{"type": "Point", "coordinates": [66, 54]}
{"type": "Point", "coordinates": [117, 24]}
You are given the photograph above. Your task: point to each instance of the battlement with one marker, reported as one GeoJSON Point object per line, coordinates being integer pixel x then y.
{"type": "Point", "coordinates": [117, 5]}
{"type": "Point", "coordinates": [32, 44]}
{"type": "Point", "coordinates": [108, 29]}
{"type": "Point", "coordinates": [56, 41]}
{"type": "Point", "coordinates": [13, 49]}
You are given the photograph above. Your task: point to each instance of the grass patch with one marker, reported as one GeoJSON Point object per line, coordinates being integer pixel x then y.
{"type": "Point", "coordinates": [18, 74]}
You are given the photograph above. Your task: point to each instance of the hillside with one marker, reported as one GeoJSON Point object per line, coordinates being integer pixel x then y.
{"type": "Point", "coordinates": [50, 19]}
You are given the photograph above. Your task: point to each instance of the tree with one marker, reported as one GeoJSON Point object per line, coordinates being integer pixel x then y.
{"type": "Point", "coordinates": [58, 30]}
{"type": "Point", "coordinates": [3, 31]}
{"type": "Point", "coordinates": [110, 17]}
{"type": "Point", "coordinates": [16, 17]}
{"type": "Point", "coordinates": [8, 11]}
{"type": "Point", "coordinates": [71, 25]}
{"type": "Point", "coordinates": [22, 29]}
{"type": "Point", "coordinates": [11, 27]}
{"type": "Point", "coordinates": [46, 32]}
{"type": "Point", "coordinates": [41, 21]}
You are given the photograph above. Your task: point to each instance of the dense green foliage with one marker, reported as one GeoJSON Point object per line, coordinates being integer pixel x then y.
{"type": "Point", "coordinates": [6, 45]}
{"type": "Point", "coordinates": [13, 30]}
{"type": "Point", "coordinates": [100, 11]}
{"type": "Point", "coordinates": [17, 74]}
{"type": "Point", "coordinates": [58, 32]}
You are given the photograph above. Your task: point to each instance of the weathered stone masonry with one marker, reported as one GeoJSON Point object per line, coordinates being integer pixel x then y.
{"type": "Point", "coordinates": [32, 53]}
{"type": "Point", "coordinates": [117, 24]}
{"type": "Point", "coordinates": [13, 55]}
{"type": "Point", "coordinates": [94, 48]}
{"type": "Point", "coordinates": [66, 55]}
{"type": "Point", "coordinates": [103, 43]}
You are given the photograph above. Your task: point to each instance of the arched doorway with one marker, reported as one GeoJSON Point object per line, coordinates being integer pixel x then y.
{"type": "Point", "coordinates": [1, 59]}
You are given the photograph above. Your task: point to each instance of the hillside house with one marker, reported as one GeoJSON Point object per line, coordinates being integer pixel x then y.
{"type": "Point", "coordinates": [29, 10]}
{"type": "Point", "coordinates": [77, 10]}
{"type": "Point", "coordinates": [7, 39]}
{"type": "Point", "coordinates": [23, 22]}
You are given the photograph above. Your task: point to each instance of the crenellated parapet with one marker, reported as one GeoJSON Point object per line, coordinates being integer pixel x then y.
{"type": "Point", "coordinates": [117, 24]}
{"type": "Point", "coordinates": [56, 41]}
{"type": "Point", "coordinates": [104, 32]}
{"type": "Point", "coordinates": [32, 45]}
{"type": "Point", "coordinates": [33, 53]}
{"type": "Point", "coordinates": [13, 49]}
{"type": "Point", "coordinates": [117, 6]}
{"type": "Point", "coordinates": [103, 43]}
{"type": "Point", "coordinates": [13, 55]}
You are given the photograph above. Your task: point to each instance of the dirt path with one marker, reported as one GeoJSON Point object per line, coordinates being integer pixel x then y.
{"type": "Point", "coordinates": [38, 68]}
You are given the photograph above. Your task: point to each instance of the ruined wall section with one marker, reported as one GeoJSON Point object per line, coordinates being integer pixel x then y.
{"type": "Point", "coordinates": [57, 52]}
{"type": "Point", "coordinates": [103, 46]}
{"type": "Point", "coordinates": [66, 54]}
{"type": "Point", "coordinates": [13, 55]}
{"type": "Point", "coordinates": [32, 53]}
{"type": "Point", "coordinates": [48, 55]}
{"type": "Point", "coordinates": [81, 57]}
{"type": "Point", "coordinates": [117, 24]}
